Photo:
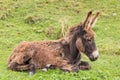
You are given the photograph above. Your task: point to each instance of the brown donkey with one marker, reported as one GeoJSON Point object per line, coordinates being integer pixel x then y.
{"type": "Point", "coordinates": [63, 53]}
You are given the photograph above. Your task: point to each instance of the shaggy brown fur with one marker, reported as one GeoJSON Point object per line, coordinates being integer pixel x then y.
{"type": "Point", "coordinates": [63, 53]}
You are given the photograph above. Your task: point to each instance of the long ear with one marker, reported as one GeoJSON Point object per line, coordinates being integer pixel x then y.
{"type": "Point", "coordinates": [94, 19]}
{"type": "Point", "coordinates": [87, 21]}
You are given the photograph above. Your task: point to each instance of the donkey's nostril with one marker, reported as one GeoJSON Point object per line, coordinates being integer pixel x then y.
{"type": "Point", "coordinates": [92, 58]}
{"type": "Point", "coordinates": [96, 58]}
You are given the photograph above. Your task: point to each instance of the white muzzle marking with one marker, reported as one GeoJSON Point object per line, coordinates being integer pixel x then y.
{"type": "Point", "coordinates": [95, 54]}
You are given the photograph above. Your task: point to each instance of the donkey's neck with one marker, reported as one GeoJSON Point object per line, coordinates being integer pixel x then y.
{"type": "Point", "coordinates": [74, 51]}
{"type": "Point", "coordinates": [70, 40]}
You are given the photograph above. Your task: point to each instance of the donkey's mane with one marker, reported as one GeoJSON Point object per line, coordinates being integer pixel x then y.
{"type": "Point", "coordinates": [73, 29]}
{"type": "Point", "coordinates": [74, 52]}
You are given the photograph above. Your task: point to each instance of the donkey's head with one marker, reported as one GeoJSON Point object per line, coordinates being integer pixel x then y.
{"type": "Point", "coordinates": [86, 43]}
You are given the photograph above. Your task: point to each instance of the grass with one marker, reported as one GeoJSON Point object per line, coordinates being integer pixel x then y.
{"type": "Point", "coordinates": [105, 68]}
{"type": "Point", "coordinates": [28, 20]}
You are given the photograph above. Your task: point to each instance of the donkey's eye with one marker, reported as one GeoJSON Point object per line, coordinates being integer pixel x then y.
{"type": "Point", "coordinates": [89, 40]}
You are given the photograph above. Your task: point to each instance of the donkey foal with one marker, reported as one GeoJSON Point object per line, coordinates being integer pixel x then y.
{"type": "Point", "coordinates": [64, 53]}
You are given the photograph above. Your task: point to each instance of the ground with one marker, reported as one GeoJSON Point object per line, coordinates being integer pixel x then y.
{"type": "Point", "coordinates": [28, 20]}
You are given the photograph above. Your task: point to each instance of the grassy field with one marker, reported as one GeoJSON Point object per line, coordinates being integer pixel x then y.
{"type": "Point", "coordinates": [32, 20]}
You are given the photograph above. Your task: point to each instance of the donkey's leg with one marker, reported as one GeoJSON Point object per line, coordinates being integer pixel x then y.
{"type": "Point", "coordinates": [70, 68]}
{"type": "Point", "coordinates": [32, 69]}
{"type": "Point", "coordinates": [17, 67]}
{"type": "Point", "coordinates": [65, 66]}
{"type": "Point", "coordinates": [84, 65]}
{"type": "Point", "coordinates": [22, 67]}
{"type": "Point", "coordinates": [48, 66]}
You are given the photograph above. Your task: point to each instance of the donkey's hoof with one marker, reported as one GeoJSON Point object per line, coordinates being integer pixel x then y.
{"type": "Point", "coordinates": [13, 66]}
{"type": "Point", "coordinates": [84, 65]}
{"type": "Point", "coordinates": [32, 69]}
{"type": "Point", "coordinates": [76, 69]}
{"type": "Point", "coordinates": [31, 73]}
{"type": "Point", "coordinates": [44, 69]}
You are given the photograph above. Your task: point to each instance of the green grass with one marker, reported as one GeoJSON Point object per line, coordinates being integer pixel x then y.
{"type": "Point", "coordinates": [30, 20]}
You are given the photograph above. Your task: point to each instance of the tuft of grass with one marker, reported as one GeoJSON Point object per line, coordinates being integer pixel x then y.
{"type": "Point", "coordinates": [32, 20]}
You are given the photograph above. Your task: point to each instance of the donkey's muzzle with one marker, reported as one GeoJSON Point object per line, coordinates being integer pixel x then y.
{"type": "Point", "coordinates": [94, 55]}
